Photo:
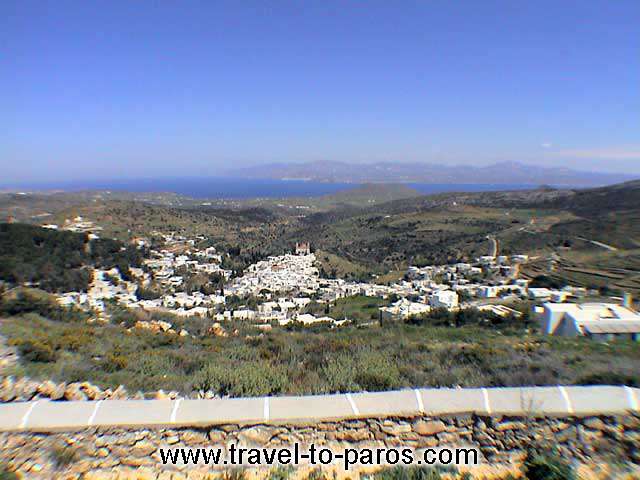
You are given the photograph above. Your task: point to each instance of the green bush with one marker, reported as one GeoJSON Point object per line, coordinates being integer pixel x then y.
{"type": "Point", "coordinates": [376, 371]}
{"type": "Point", "coordinates": [280, 473]}
{"type": "Point", "coordinates": [609, 378]}
{"type": "Point", "coordinates": [29, 301]}
{"type": "Point", "coordinates": [308, 361]}
{"type": "Point", "coordinates": [6, 474]}
{"type": "Point", "coordinates": [408, 473]}
{"type": "Point", "coordinates": [339, 374]}
{"type": "Point", "coordinates": [57, 260]}
{"type": "Point", "coordinates": [366, 370]}
{"type": "Point", "coordinates": [316, 474]}
{"type": "Point", "coordinates": [64, 455]}
{"type": "Point", "coordinates": [234, 474]}
{"type": "Point", "coordinates": [246, 380]}
{"type": "Point", "coordinates": [36, 351]}
{"type": "Point", "coordinates": [546, 466]}
{"type": "Point", "coordinates": [544, 281]}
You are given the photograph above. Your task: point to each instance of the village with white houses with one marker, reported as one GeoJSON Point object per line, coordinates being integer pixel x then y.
{"type": "Point", "coordinates": [282, 287]}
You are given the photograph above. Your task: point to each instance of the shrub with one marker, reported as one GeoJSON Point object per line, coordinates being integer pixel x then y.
{"type": "Point", "coordinates": [546, 466]}
{"type": "Point", "coordinates": [339, 374]}
{"type": "Point", "coordinates": [245, 380]}
{"type": "Point", "coordinates": [367, 370]}
{"type": "Point", "coordinates": [234, 474]}
{"type": "Point", "coordinates": [26, 301]}
{"type": "Point", "coordinates": [143, 293]}
{"type": "Point", "coordinates": [609, 378]}
{"type": "Point", "coordinates": [74, 340]}
{"type": "Point", "coordinates": [6, 474]}
{"type": "Point", "coordinates": [377, 371]}
{"type": "Point", "coordinates": [37, 351]}
{"type": "Point", "coordinates": [114, 362]}
{"type": "Point", "coordinates": [408, 473]}
{"type": "Point", "coordinates": [544, 281]}
{"type": "Point", "coordinates": [317, 474]}
{"type": "Point", "coordinates": [63, 455]}
{"type": "Point", "coordinates": [280, 473]}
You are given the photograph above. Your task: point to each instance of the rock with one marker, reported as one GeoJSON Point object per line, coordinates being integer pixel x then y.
{"type": "Point", "coordinates": [119, 393]}
{"type": "Point", "coordinates": [216, 436]}
{"type": "Point", "coordinates": [447, 437]}
{"type": "Point", "coordinates": [191, 437]}
{"type": "Point", "coordinates": [352, 435]}
{"type": "Point", "coordinates": [46, 388]}
{"type": "Point", "coordinates": [160, 395]}
{"type": "Point", "coordinates": [217, 330]}
{"type": "Point", "coordinates": [25, 388]}
{"type": "Point", "coordinates": [485, 439]}
{"type": "Point", "coordinates": [428, 428]}
{"type": "Point", "coordinates": [594, 423]}
{"type": "Point", "coordinates": [183, 333]}
{"type": "Point", "coordinates": [566, 435]}
{"type": "Point", "coordinates": [464, 420]}
{"type": "Point", "coordinates": [102, 452]}
{"type": "Point", "coordinates": [229, 428]}
{"type": "Point", "coordinates": [427, 442]}
{"type": "Point", "coordinates": [630, 422]}
{"type": "Point", "coordinates": [143, 448]}
{"type": "Point", "coordinates": [91, 391]}
{"type": "Point", "coordinates": [7, 393]}
{"type": "Point", "coordinates": [254, 435]}
{"type": "Point", "coordinates": [136, 462]}
{"type": "Point", "coordinates": [162, 326]}
{"type": "Point", "coordinates": [589, 436]}
{"type": "Point", "coordinates": [396, 429]}
{"type": "Point", "coordinates": [156, 326]}
{"type": "Point", "coordinates": [143, 325]}
{"type": "Point", "coordinates": [73, 393]}
{"type": "Point", "coordinates": [559, 426]}
{"type": "Point", "coordinates": [171, 440]}
{"type": "Point", "coordinates": [504, 426]}
{"type": "Point", "coordinates": [480, 425]}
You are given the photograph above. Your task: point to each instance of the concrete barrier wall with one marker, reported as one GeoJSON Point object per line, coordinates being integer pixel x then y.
{"type": "Point", "coordinates": [44, 415]}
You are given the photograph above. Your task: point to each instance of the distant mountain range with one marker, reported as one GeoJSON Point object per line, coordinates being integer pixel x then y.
{"type": "Point", "coordinates": [387, 172]}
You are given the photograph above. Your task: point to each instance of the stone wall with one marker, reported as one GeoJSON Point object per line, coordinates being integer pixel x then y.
{"type": "Point", "coordinates": [120, 438]}
{"type": "Point", "coordinates": [118, 453]}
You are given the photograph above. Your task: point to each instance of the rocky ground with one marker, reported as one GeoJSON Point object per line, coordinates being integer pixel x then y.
{"type": "Point", "coordinates": [116, 453]}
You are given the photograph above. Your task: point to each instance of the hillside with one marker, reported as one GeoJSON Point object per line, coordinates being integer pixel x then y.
{"type": "Point", "coordinates": [602, 201]}
{"type": "Point", "coordinates": [55, 260]}
{"type": "Point", "coordinates": [361, 234]}
{"type": "Point", "coordinates": [569, 226]}
{"type": "Point", "coordinates": [370, 194]}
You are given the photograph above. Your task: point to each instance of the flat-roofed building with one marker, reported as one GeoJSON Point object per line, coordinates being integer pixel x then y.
{"type": "Point", "coordinates": [600, 321]}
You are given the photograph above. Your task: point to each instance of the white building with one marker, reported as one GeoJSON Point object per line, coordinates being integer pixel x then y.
{"type": "Point", "coordinates": [308, 319]}
{"type": "Point", "coordinates": [444, 299]}
{"type": "Point", "coordinates": [488, 291]}
{"type": "Point", "coordinates": [403, 309]}
{"type": "Point", "coordinates": [602, 321]}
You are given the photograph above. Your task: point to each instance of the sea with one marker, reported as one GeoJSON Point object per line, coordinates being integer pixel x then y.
{"type": "Point", "coordinates": [243, 188]}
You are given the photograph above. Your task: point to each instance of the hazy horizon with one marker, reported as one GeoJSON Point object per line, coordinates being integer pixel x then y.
{"type": "Point", "coordinates": [144, 90]}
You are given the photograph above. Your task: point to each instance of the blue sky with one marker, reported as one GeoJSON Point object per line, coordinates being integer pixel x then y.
{"type": "Point", "coordinates": [128, 88]}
